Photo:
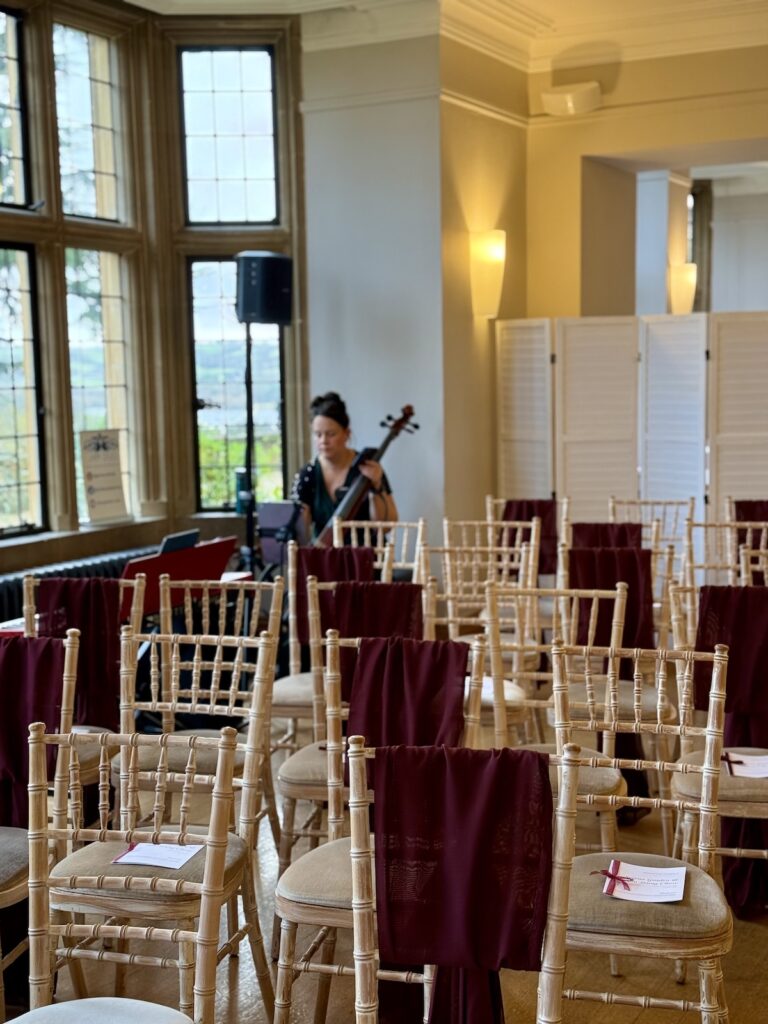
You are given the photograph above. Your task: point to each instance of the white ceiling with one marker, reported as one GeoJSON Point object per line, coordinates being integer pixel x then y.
{"type": "Point", "coordinates": [533, 34]}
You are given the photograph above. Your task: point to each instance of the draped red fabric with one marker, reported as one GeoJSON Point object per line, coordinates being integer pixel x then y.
{"type": "Point", "coordinates": [751, 510]}
{"type": "Point", "coordinates": [602, 568]}
{"type": "Point", "coordinates": [738, 617]}
{"type": "Point", "coordinates": [606, 535]}
{"type": "Point", "coordinates": [93, 607]}
{"type": "Point", "coordinates": [328, 565]}
{"type": "Point", "coordinates": [463, 854]}
{"type": "Point", "coordinates": [520, 509]}
{"type": "Point", "coordinates": [408, 691]}
{"type": "Point", "coordinates": [375, 610]}
{"type": "Point", "coordinates": [31, 670]}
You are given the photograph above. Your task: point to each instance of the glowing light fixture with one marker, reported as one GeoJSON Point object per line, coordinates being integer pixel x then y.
{"type": "Point", "coordinates": [488, 251]}
{"type": "Point", "coordinates": [682, 287]}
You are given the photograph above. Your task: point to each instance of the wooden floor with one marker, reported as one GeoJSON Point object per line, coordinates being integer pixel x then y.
{"type": "Point", "coordinates": [746, 970]}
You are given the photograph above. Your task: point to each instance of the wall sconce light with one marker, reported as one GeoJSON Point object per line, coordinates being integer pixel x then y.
{"type": "Point", "coordinates": [682, 287]}
{"type": "Point", "coordinates": [488, 251]}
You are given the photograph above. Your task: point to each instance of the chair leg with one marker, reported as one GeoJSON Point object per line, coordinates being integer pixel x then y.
{"type": "Point", "coordinates": [271, 803]}
{"type": "Point", "coordinates": [285, 972]}
{"type": "Point", "coordinates": [708, 991]}
{"type": "Point", "coordinates": [429, 979]}
{"type": "Point", "coordinates": [283, 861]}
{"type": "Point", "coordinates": [723, 1016]}
{"type": "Point", "coordinates": [327, 953]}
{"type": "Point", "coordinates": [232, 922]}
{"type": "Point", "coordinates": [186, 971]}
{"type": "Point", "coordinates": [2, 987]}
{"type": "Point", "coordinates": [315, 823]}
{"type": "Point", "coordinates": [75, 966]}
{"type": "Point", "coordinates": [256, 941]}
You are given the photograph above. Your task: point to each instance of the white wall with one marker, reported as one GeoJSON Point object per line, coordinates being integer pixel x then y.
{"type": "Point", "coordinates": [371, 134]}
{"type": "Point", "coordinates": [739, 252]}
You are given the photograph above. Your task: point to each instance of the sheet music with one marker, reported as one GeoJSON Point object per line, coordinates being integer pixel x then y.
{"type": "Point", "coordinates": [157, 855]}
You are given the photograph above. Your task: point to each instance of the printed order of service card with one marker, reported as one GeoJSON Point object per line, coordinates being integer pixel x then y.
{"type": "Point", "coordinates": [643, 884]}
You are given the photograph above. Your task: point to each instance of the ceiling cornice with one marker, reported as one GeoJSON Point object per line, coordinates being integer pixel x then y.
{"type": "Point", "coordinates": [531, 35]}
{"type": "Point", "coordinates": [553, 34]}
{"type": "Point", "coordinates": [369, 21]}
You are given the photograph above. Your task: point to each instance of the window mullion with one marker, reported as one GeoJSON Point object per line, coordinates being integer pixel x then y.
{"type": "Point", "coordinates": [58, 424]}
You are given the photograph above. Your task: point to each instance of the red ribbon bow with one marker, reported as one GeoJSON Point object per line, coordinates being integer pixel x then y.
{"type": "Point", "coordinates": [613, 874]}
{"type": "Point", "coordinates": [730, 761]}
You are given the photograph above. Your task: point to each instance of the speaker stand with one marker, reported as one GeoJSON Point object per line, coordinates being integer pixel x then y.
{"type": "Point", "coordinates": [250, 509]}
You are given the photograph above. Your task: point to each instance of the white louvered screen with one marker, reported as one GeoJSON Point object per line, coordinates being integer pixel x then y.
{"type": "Point", "coordinates": [672, 407]}
{"type": "Point", "coordinates": [738, 408]}
{"type": "Point", "coordinates": [524, 403]}
{"type": "Point", "coordinates": [596, 413]}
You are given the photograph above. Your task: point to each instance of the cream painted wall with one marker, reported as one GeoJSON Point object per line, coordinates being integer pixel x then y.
{"type": "Point", "coordinates": [739, 253]}
{"type": "Point", "coordinates": [483, 187]}
{"type": "Point", "coordinates": [654, 111]}
{"type": "Point", "coordinates": [374, 299]}
{"type": "Point", "coordinates": [608, 247]}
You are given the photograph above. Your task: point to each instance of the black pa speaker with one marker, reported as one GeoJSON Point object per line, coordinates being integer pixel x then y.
{"type": "Point", "coordinates": [263, 288]}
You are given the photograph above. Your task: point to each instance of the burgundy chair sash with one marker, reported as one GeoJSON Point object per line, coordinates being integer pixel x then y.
{"type": "Point", "coordinates": [606, 535]}
{"type": "Point", "coordinates": [31, 671]}
{"type": "Point", "coordinates": [328, 565]}
{"type": "Point", "coordinates": [375, 610]}
{"type": "Point", "coordinates": [738, 617]}
{"type": "Point", "coordinates": [521, 509]}
{"type": "Point", "coordinates": [92, 606]}
{"type": "Point", "coordinates": [408, 691]}
{"type": "Point", "coordinates": [751, 510]}
{"type": "Point", "coordinates": [463, 855]}
{"type": "Point", "coordinates": [603, 568]}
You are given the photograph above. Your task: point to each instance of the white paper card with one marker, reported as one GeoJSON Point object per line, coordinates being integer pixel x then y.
{"type": "Point", "coordinates": [102, 476]}
{"type": "Point", "coordinates": [157, 855]}
{"type": "Point", "coordinates": [642, 884]}
{"type": "Point", "coordinates": [748, 766]}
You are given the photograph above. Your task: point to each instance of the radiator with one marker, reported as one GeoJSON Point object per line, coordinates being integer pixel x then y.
{"type": "Point", "coordinates": [110, 565]}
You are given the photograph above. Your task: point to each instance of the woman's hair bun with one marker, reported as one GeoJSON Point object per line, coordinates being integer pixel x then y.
{"type": "Point", "coordinates": [331, 405]}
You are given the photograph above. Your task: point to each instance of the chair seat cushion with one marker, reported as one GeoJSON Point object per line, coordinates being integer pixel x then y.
{"type": "Point", "coordinates": [732, 787]}
{"type": "Point", "coordinates": [307, 767]}
{"type": "Point", "coordinates": [296, 690]}
{"type": "Point", "coordinates": [14, 856]}
{"type": "Point", "coordinates": [96, 859]}
{"type": "Point", "coordinates": [105, 1008]}
{"type": "Point", "coordinates": [600, 781]}
{"type": "Point", "coordinates": [322, 876]}
{"type": "Point", "coordinates": [702, 912]}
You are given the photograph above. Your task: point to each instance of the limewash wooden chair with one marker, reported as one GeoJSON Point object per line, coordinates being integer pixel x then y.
{"type": "Point", "coordinates": [136, 900]}
{"type": "Point", "coordinates": [316, 889]}
{"type": "Point", "coordinates": [367, 970]}
{"type": "Point", "coordinates": [698, 929]}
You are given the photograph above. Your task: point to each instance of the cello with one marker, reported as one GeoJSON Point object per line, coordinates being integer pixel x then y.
{"type": "Point", "coordinates": [361, 485]}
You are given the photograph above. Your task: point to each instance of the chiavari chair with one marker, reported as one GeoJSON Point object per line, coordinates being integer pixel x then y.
{"type": "Point", "coordinates": [396, 544]}
{"type": "Point", "coordinates": [316, 889]}
{"type": "Point", "coordinates": [699, 928]}
{"type": "Point", "coordinates": [136, 901]}
{"type": "Point", "coordinates": [14, 845]}
{"type": "Point", "coordinates": [367, 970]}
